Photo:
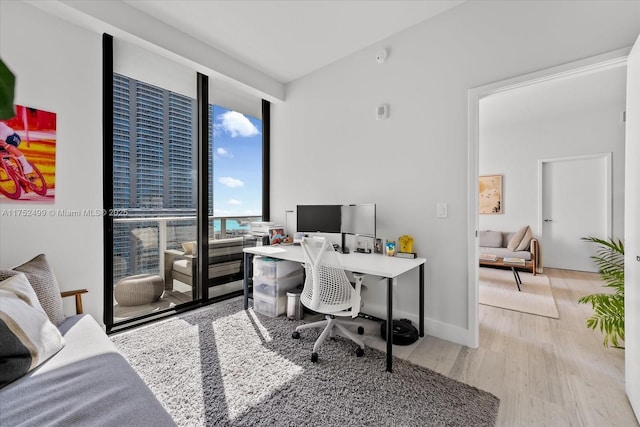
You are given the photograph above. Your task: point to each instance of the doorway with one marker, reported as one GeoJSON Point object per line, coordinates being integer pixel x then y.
{"type": "Point", "coordinates": [575, 195]}
{"type": "Point", "coordinates": [591, 65]}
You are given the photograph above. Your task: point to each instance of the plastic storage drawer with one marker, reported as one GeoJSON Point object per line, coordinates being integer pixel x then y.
{"type": "Point", "coordinates": [271, 307]}
{"type": "Point", "coordinates": [270, 296]}
{"type": "Point", "coordinates": [275, 287]}
{"type": "Point", "coordinates": [269, 268]}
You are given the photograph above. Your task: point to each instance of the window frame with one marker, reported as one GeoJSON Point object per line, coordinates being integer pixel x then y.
{"type": "Point", "coordinates": [202, 196]}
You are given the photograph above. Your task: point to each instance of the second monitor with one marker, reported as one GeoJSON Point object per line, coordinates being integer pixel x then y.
{"type": "Point", "coordinates": [359, 220]}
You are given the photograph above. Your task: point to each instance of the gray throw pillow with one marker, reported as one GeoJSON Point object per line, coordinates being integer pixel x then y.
{"type": "Point", "coordinates": [45, 285]}
{"type": "Point", "coordinates": [490, 239]}
{"type": "Point", "coordinates": [28, 337]}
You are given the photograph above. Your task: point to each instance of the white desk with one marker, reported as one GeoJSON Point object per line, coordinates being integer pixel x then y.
{"type": "Point", "coordinates": [370, 264]}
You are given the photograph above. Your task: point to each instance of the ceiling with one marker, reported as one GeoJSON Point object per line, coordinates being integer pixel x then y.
{"type": "Point", "coordinates": [289, 39]}
{"type": "Point", "coordinates": [555, 97]}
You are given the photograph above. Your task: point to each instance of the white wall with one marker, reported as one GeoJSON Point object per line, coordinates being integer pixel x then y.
{"type": "Point", "coordinates": [58, 68]}
{"type": "Point", "coordinates": [632, 233]}
{"type": "Point", "coordinates": [327, 146]}
{"type": "Point", "coordinates": [513, 148]}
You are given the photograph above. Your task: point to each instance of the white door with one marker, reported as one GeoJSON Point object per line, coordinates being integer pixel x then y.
{"type": "Point", "coordinates": [632, 232]}
{"type": "Point", "coordinates": [576, 203]}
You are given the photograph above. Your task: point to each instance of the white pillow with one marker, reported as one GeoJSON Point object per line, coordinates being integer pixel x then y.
{"type": "Point", "coordinates": [28, 337]}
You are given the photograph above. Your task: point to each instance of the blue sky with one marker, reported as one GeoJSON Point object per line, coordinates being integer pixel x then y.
{"type": "Point", "coordinates": [237, 163]}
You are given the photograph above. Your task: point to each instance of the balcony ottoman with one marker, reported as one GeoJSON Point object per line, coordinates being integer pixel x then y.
{"type": "Point", "coordinates": [139, 289]}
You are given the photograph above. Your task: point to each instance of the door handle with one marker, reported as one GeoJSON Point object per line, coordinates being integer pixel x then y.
{"type": "Point", "coordinates": [638, 258]}
{"type": "Point", "coordinates": [548, 220]}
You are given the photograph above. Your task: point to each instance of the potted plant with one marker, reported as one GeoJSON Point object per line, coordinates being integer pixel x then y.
{"type": "Point", "coordinates": [7, 88]}
{"type": "Point", "coordinates": [608, 308]}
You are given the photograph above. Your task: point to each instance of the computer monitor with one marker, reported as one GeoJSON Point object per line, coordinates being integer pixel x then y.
{"type": "Point", "coordinates": [359, 220]}
{"type": "Point", "coordinates": [319, 218]}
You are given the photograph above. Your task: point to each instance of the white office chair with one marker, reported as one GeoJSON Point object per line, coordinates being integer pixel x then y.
{"type": "Point", "coordinates": [327, 290]}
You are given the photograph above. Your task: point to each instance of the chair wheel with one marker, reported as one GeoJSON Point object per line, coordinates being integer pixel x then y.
{"type": "Point", "coordinates": [359, 352]}
{"type": "Point", "coordinates": [295, 335]}
{"type": "Point", "coordinates": [360, 330]}
{"type": "Point", "coordinates": [314, 357]}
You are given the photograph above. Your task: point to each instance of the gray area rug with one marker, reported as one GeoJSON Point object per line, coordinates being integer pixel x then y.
{"type": "Point", "coordinates": [224, 366]}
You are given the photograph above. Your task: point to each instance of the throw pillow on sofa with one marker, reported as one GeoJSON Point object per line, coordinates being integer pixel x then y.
{"type": "Point", "coordinates": [520, 241]}
{"type": "Point", "coordinates": [28, 337]}
{"type": "Point", "coordinates": [44, 283]}
{"type": "Point", "coordinates": [490, 239]}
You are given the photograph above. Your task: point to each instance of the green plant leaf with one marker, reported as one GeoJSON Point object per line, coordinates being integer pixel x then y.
{"type": "Point", "coordinates": [608, 316]}
{"type": "Point", "coordinates": [7, 92]}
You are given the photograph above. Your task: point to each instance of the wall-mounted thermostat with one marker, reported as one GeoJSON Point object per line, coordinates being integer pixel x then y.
{"type": "Point", "coordinates": [382, 112]}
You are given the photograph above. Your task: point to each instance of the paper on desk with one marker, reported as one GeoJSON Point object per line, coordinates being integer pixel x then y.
{"type": "Point", "coordinates": [271, 250]}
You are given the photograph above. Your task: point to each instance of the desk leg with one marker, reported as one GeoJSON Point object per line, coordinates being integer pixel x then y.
{"type": "Point", "coordinates": [389, 324]}
{"type": "Point", "coordinates": [246, 280]}
{"type": "Point", "coordinates": [421, 294]}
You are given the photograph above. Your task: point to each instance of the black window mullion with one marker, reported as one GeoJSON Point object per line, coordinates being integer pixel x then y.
{"type": "Point", "coordinates": [107, 176]}
{"type": "Point", "coordinates": [202, 207]}
{"type": "Point", "coordinates": [266, 161]}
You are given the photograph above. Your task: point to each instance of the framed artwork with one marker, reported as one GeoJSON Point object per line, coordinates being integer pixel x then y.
{"type": "Point", "coordinates": [490, 194]}
{"type": "Point", "coordinates": [28, 169]}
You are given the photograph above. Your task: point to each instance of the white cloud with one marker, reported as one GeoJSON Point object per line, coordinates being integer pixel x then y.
{"type": "Point", "coordinates": [236, 124]}
{"type": "Point", "coordinates": [230, 182]}
{"type": "Point", "coordinates": [234, 202]}
{"type": "Point", "coordinates": [222, 152]}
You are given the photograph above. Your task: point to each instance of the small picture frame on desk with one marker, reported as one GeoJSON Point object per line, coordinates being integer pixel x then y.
{"type": "Point", "coordinates": [377, 246]}
{"type": "Point", "coordinates": [276, 236]}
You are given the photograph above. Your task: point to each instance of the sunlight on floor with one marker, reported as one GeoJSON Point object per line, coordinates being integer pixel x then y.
{"type": "Point", "coordinates": [244, 342]}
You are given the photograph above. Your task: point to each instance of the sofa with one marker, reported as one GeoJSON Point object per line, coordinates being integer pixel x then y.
{"type": "Point", "coordinates": [225, 261]}
{"type": "Point", "coordinates": [83, 381]}
{"type": "Point", "coordinates": [510, 244]}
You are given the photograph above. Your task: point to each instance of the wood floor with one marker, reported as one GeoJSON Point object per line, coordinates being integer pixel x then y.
{"type": "Point", "coordinates": [546, 372]}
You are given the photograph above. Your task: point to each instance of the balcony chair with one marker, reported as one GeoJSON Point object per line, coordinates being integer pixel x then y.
{"type": "Point", "coordinates": [328, 291]}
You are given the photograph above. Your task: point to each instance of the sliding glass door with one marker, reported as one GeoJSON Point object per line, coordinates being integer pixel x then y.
{"type": "Point", "coordinates": [154, 154]}
{"type": "Point", "coordinates": [169, 164]}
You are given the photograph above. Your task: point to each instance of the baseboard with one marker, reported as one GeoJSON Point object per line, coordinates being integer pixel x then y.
{"type": "Point", "coordinates": [434, 328]}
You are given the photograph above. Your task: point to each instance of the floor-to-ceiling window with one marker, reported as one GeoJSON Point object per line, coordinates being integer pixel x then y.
{"type": "Point", "coordinates": [154, 167]}
{"type": "Point", "coordinates": [154, 189]}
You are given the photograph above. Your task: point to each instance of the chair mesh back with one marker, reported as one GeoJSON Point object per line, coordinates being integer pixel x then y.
{"type": "Point", "coordinates": [326, 288]}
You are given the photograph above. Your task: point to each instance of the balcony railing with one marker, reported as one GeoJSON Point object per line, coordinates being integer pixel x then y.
{"type": "Point", "coordinates": [140, 241]}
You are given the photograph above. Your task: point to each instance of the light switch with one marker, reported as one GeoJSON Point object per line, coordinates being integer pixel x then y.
{"type": "Point", "coordinates": [441, 210]}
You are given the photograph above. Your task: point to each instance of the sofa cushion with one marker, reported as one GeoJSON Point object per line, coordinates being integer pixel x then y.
{"type": "Point", "coordinates": [506, 253]}
{"type": "Point", "coordinates": [44, 283]}
{"type": "Point", "coordinates": [87, 383]}
{"type": "Point", "coordinates": [526, 240]}
{"type": "Point", "coordinates": [490, 239]}
{"type": "Point", "coordinates": [515, 241]}
{"type": "Point", "coordinates": [216, 246]}
{"type": "Point", "coordinates": [28, 337]}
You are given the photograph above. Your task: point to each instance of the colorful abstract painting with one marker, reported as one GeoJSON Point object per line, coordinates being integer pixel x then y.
{"type": "Point", "coordinates": [36, 141]}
